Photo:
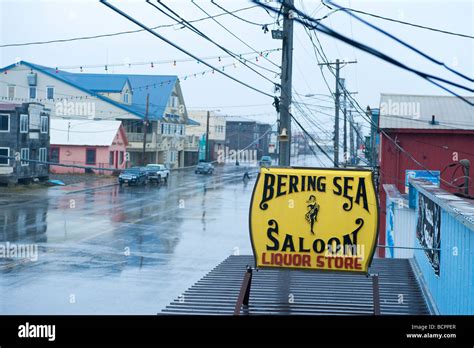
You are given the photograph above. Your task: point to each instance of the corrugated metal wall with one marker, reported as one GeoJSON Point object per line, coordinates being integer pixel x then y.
{"type": "Point", "coordinates": [453, 290]}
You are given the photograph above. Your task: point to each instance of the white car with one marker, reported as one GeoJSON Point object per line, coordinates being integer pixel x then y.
{"type": "Point", "coordinates": [157, 172]}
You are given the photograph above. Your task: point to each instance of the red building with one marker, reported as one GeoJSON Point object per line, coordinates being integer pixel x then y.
{"type": "Point", "coordinates": [433, 132]}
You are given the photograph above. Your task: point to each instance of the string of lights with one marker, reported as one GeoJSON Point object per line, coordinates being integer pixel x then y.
{"type": "Point", "coordinates": [173, 62]}
{"type": "Point", "coordinates": [208, 72]}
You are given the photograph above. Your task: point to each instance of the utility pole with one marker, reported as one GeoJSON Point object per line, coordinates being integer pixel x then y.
{"type": "Point", "coordinates": [336, 123]}
{"type": "Point", "coordinates": [286, 77]}
{"type": "Point", "coordinates": [337, 95]}
{"type": "Point", "coordinates": [145, 128]}
{"type": "Point", "coordinates": [207, 136]}
{"type": "Point", "coordinates": [344, 110]}
{"type": "Point", "coordinates": [351, 136]}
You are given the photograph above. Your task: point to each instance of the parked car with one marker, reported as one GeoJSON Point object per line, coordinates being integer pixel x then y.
{"type": "Point", "coordinates": [204, 168]}
{"type": "Point", "coordinates": [133, 176]}
{"type": "Point", "coordinates": [157, 172]}
{"type": "Point", "coordinates": [265, 161]}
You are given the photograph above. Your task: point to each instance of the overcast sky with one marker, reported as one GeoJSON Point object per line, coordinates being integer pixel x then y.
{"type": "Point", "coordinates": [26, 21]}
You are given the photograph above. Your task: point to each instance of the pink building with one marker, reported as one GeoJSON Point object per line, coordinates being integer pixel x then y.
{"type": "Point", "coordinates": [93, 143]}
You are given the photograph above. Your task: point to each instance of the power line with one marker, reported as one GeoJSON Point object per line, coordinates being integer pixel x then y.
{"type": "Point", "coordinates": [401, 149]}
{"type": "Point", "coordinates": [240, 18]}
{"type": "Point", "coordinates": [231, 33]}
{"type": "Point", "coordinates": [201, 34]}
{"type": "Point", "coordinates": [407, 45]}
{"type": "Point", "coordinates": [182, 49]}
{"type": "Point", "coordinates": [328, 31]}
{"type": "Point", "coordinates": [309, 135]}
{"type": "Point", "coordinates": [406, 23]}
{"type": "Point", "coordinates": [116, 33]}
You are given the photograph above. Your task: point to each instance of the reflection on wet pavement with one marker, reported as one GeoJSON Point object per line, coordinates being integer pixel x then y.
{"type": "Point", "coordinates": [122, 250]}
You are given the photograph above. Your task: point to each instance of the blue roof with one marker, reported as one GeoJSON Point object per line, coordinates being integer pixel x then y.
{"type": "Point", "coordinates": [159, 87]}
{"type": "Point", "coordinates": [98, 82]}
{"type": "Point", "coordinates": [192, 122]}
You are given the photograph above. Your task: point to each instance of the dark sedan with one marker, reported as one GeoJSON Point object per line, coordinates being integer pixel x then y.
{"type": "Point", "coordinates": [133, 176]}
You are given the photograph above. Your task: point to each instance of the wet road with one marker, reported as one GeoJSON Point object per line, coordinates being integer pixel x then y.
{"type": "Point", "coordinates": [123, 250]}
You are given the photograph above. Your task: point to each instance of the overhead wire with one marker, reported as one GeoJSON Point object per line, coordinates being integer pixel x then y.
{"type": "Point", "coordinates": [402, 42]}
{"type": "Point", "coordinates": [231, 33]}
{"type": "Point", "coordinates": [117, 33]}
{"type": "Point", "coordinates": [201, 34]}
{"type": "Point", "coordinates": [405, 23]}
{"type": "Point", "coordinates": [182, 49]}
{"type": "Point", "coordinates": [328, 31]}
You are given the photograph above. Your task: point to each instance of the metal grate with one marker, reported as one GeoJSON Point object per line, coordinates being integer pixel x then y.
{"type": "Point", "coordinates": [284, 292]}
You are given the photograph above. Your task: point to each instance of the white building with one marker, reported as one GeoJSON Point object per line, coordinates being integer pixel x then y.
{"type": "Point", "coordinates": [216, 129]}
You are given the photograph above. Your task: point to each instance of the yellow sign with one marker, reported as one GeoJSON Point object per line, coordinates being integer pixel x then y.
{"type": "Point", "coordinates": [308, 218]}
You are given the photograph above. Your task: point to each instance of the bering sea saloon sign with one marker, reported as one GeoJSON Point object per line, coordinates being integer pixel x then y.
{"type": "Point", "coordinates": [318, 219]}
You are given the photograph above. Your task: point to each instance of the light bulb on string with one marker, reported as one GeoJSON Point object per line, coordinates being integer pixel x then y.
{"type": "Point", "coordinates": [151, 65]}
{"type": "Point", "coordinates": [174, 63]}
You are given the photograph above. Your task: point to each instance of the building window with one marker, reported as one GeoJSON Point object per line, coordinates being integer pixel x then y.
{"type": "Point", "coordinates": [126, 97]}
{"type": "Point", "coordinates": [24, 123]}
{"type": "Point", "coordinates": [90, 156]}
{"type": "Point", "coordinates": [32, 92]}
{"type": "Point", "coordinates": [121, 157]}
{"type": "Point", "coordinates": [4, 151]}
{"type": "Point", "coordinates": [181, 129]}
{"type": "Point", "coordinates": [50, 92]}
{"type": "Point", "coordinates": [43, 155]}
{"type": "Point", "coordinates": [24, 155]}
{"type": "Point", "coordinates": [174, 101]}
{"type": "Point", "coordinates": [11, 91]}
{"type": "Point", "coordinates": [4, 123]}
{"type": "Point", "coordinates": [54, 154]}
{"type": "Point", "coordinates": [173, 156]}
{"type": "Point", "coordinates": [111, 158]}
{"type": "Point", "coordinates": [44, 124]}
